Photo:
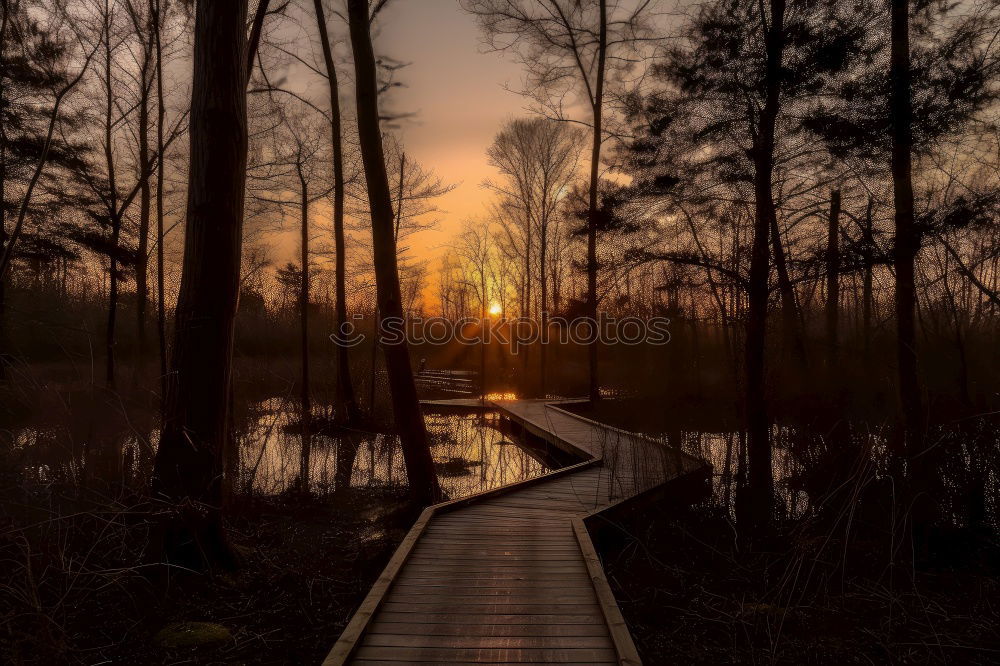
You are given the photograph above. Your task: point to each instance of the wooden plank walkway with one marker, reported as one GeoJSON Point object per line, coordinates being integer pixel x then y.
{"type": "Point", "coordinates": [510, 575]}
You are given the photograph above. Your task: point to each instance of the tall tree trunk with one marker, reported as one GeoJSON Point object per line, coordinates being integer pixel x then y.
{"type": "Point", "coordinates": [527, 387]}
{"type": "Point", "coordinates": [761, 481]}
{"type": "Point", "coordinates": [4, 22]}
{"type": "Point", "coordinates": [868, 257]}
{"type": "Point", "coordinates": [833, 283]}
{"type": "Point", "coordinates": [188, 471]}
{"type": "Point", "coordinates": [593, 387]}
{"type": "Point", "coordinates": [791, 329]}
{"type": "Point", "coordinates": [306, 403]}
{"type": "Point", "coordinates": [145, 196]}
{"type": "Point", "coordinates": [110, 337]}
{"type": "Point", "coordinates": [113, 215]}
{"type": "Point", "coordinates": [346, 408]}
{"type": "Point", "coordinates": [407, 418]}
{"type": "Point", "coordinates": [482, 338]}
{"type": "Point", "coordinates": [543, 233]}
{"type": "Point", "coordinates": [907, 240]}
{"type": "Point", "coordinates": [161, 308]}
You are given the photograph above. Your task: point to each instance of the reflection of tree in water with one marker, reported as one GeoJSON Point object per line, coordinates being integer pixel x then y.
{"type": "Point", "coordinates": [79, 437]}
{"type": "Point", "coordinates": [84, 439]}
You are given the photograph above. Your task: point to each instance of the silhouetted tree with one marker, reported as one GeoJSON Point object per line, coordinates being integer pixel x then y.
{"type": "Point", "coordinates": [538, 160]}
{"type": "Point", "coordinates": [346, 408]}
{"type": "Point", "coordinates": [188, 470]}
{"type": "Point", "coordinates": [569, 46]}
{"type": "Point", "coordinates": [833, 282]}
{"type": "Point", "coordinates": [35, 78]}
{"type": "Point", "coordinates": [941, 74]}
{"type": "Point", "coordinates": [408, 420]}
{"type": "Point", "coordinates": [741, 70]}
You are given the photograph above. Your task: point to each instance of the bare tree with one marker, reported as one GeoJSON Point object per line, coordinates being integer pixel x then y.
{"type": "Point", "coordinates": [833, 282]}
{"type": "Point", "coordinates": [408, 420]}
{"type": "Point", "coordinates": [346, 408]}
{"type": "Point", "coordinates": [759, 425]}
{"type": "Point", "coordinates": [142, 19]}
{"type": "Point", "coordinates": [475, 251]}
{"type": "Point", "coordinates": [567, 47]}
{"type": "Point", "coordinates": [538, 159]}
{"type": "Point", "coordinates": [159, 7]}
{"type": "Point", "coordinates": [907, 240]}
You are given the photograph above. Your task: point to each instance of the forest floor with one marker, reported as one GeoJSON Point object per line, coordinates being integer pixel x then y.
{"type": "Point", "coordinates": [79, 596]}
{"type": "Point", "coordinates": [690, 595]}
{"type": "Point", "coordinates": [842, 583]}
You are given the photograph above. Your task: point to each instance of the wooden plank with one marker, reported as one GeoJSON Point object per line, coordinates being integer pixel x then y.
{"type": "Point", "coordinates": [425, 569]}
{"type": "Point", "coordinates": [534, 575]}
{"type": "Point", "coordinates": [382, 662]}
{"type": "Point", "coordinates": [585, 617]}
{"type": "Point", "coordinates": [624, 646]}
{"type": "Point", "coordinates": [428, 629]}
{"type": "Point", "coordinates": [489, 585]}
{"type": "Point", "coordinates": [518, 598]}
{"type": "Point", "coordinates": [505, 549]}
{"type": "Point", "coordinates": [467, 543]}
{"type": "Point", "coordinates": [485, 608]}
{"type": "Point", "coordinates": [480, 642]}
{"type": "Point", "coordinates": [467, 538]}
{"type": "Point", "coordinates": [490, 655]}
{"type": "Point", "coordinates": [499, 588]}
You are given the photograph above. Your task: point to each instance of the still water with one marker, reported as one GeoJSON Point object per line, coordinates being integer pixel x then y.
{"type": "Point", "coordinates": [471, 452]}
{"type": "Point", "coordinates": [78, 442]}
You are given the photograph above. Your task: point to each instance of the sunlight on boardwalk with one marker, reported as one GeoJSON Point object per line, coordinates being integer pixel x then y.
{"type": "Point", "coordinates": [511, 577]}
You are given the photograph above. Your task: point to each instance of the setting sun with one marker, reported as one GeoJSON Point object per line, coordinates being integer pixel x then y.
{"type": "Point", "coordinates": [495, 309]}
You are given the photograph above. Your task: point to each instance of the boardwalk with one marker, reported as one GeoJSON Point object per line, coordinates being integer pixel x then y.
{"type": "Point", "coordinates": [511, 576]}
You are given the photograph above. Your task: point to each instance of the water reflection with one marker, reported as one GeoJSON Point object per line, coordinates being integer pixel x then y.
{"type": "Point", "coordinates": [95, 441]}
{"type": "Point", "coordinates": [470, 452]}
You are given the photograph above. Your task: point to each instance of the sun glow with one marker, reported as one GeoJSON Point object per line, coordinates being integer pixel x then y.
{"type": "Point", "coordinates": [495, 309]}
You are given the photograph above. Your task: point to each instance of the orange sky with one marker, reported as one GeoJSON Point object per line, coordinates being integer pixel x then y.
{"type": "Point", "coordinates": [458, 94]}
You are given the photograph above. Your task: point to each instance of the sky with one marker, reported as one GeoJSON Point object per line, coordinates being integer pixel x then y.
{"type": "Point", "coordinates": [455, 97]}
{"type": "Point", "coordinates": [457, 92]}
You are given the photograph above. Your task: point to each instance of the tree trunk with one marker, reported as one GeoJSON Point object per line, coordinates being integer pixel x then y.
{"type": "Point", "coordinates": [306, 403]}
{"type": "Point", "coordinates": [188, 470]}
{"type": "Point", "coordinates": [907, 241]}
{"type": "Point", "coordinates": [161, 309]}
{"type": "Point", "coordinates": [791, 330]}
{"type": "Point", "coordinates": [407, 418]}
{"type": "Point", "coordinates": [483, 323]}
{"type": "Point", "coordinates": [761, 481]}
{"type": "Point", "coordinates": [833, 283]}
{"type": "Point", "coordinates": [4, 360]}
{"type": "Point", "coordinates": [109, 339]}
{"type": "Point", "coordinates": [544, 309]}
{"type": "Point", "coordinates": [868, 257]}
{"type": "Point", "coordinates": [527, 387]}
{"type": "Point", "coordinates": [346, 407]}
{"type": "Point", "coordinates": [593, 387]}
{"type": "Point", "coordinates": [142, 251]}
{"type": "Point", "coordinates": [113, 217]}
